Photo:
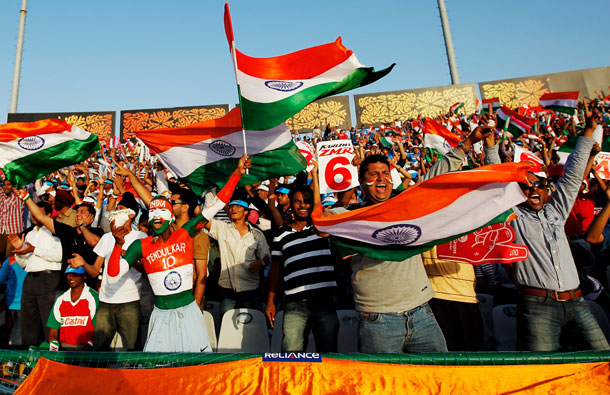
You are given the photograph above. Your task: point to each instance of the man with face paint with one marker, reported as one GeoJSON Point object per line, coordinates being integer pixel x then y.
{"type": "Point", "coordinates": [176, 324]}
{"type": "Point", "coordinates": [392, 297]}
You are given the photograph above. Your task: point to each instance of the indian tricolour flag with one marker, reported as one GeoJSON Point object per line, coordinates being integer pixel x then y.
{"type": "Point", "coordinates": [454, 108]}
{"type": "Point", "coordinates": [565, 102]}
{"type": "Point", "coordinates": [514, 122]}
{"type": "Point", "coordinates": [204, 154]}
{"type": "Point", "coordinates": [431, 212]}
{"type": "Point", "coordinates": [386, 141]}
{"type": "Point", "coordinates": [495, 104]}
{"type": "Point", "coordinates": [438, 137]}
{"type": "Point", "coordinates": [30, 150]}
{"type": "Point", "coordinates": [276, 88]}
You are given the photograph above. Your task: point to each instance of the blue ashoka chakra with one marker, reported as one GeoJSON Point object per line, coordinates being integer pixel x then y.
{"type": "Point", "coordinates": [398, 234]}
{"type": "Point", "coordinates": [222, 148]}
{"type": "Point", "coordinates": [172, 281]}
{"type": "Point", "coordinates": [447, 146]}
{"type": "Point", "coordinates": [284, 86]}
{"type": "Point", "coordinates": [31, 143]}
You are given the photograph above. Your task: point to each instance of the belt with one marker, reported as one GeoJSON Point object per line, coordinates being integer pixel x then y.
{"type": "Point", "coordinates": [42, 273]}
{"type": "Point", "coordinates": [560, 296]}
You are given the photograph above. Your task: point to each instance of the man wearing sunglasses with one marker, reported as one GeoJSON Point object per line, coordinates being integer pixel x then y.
{"type": "Point", "coordinates": [547, 281]}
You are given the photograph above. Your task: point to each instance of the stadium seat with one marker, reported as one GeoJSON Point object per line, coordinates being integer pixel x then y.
{"type": "Point", "coordinates": [505, 326]}
{"type": "Point", "coordinates": [277, 335]}
{"type": "Point", "coordinates": [209, 326]}
{"type": "Point", "coordinates": [601, 317]}
{"type": "Point", "coordinates": [486, 304]}
{"type": "Point", "coordinates": [348, 331]}
{"type": "Point", "coordinates": [243, 330]}
{"type": "Point", "coordinates": [214, 309]}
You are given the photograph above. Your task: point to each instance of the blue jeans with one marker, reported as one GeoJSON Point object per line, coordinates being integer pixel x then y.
{"type": "Point", "coordinates": [411, 331]}
{"type": "Point", "coordinates": [301, 317]}
{"type": "Point", "coordinates": [230, 299]}
{"type": "Point", "coordinates": [539, 323]}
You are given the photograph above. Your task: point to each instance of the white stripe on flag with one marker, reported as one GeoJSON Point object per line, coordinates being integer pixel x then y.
{"type": "Point", "coordinates": [446, 222]}
{"type": "Point", "coordinates": [254, 89]}
{"type": "Point", "coordinates": [12, 150]}
{"type": "Point", "coordinates": [191, 157]}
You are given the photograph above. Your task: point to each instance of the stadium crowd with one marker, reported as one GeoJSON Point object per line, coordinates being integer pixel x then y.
{"type": "Point", "coordinates": [116, 241]}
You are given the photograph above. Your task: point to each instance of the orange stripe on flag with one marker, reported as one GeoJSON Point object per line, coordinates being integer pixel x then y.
{"type": "Point", "coordinates": [16, 130]}
{"type": "Point", "coordinates": [416, 201]}
{"type": "Point", "coordinates": [161, 140]}
{"type": "Point", "coordinates": [297, 65]}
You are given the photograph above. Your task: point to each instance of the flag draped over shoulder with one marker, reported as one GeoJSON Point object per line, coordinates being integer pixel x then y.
{"type": "Point", "coordinates": [429, 213]}
{"type": "Point", "coordinates": [438, 137]}
{"type": "Point", "coordinates": [204, 154]}
{"type": "Point", "coordinates": [517, 124]}
{"type": "Point", "coordinates": [30, 150]}
{"type": "Point", "coordinates": [276, 88]}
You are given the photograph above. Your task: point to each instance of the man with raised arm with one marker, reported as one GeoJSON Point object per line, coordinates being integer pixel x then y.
{"type": "Point", "coordinates": [176, 324]}
{"type": "Point", "coordinates": [547, 280]}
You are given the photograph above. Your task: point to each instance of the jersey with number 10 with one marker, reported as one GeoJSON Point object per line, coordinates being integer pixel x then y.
{"type": "Point", "coordinates": [169, 264]}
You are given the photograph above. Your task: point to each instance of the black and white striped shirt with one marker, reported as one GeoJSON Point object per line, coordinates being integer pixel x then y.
{"type": "Point", "coordinates": [307, 264]}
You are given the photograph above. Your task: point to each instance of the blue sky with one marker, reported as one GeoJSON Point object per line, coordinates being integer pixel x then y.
{"type": "Point", "coordinates": [122, 55]}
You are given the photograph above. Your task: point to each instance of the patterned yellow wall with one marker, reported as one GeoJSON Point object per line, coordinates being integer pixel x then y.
{"type": "Point", "coordinates": [168, 118]}
{"type": "Point", "coordinates": [334, 110]}
{"type": "Point", "coordinates": [381, 107]}
{"type": "Point", "coordinates": [514, 94]}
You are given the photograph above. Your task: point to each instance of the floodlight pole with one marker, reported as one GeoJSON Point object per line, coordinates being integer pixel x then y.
{"type": "Point", "coordinates": [17, 71]}
{"type": "Point", "coordinates": [455, 78]}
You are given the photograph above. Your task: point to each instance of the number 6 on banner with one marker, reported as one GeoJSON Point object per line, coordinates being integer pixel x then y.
{"type": "Point", "coordinates": [333, 169]}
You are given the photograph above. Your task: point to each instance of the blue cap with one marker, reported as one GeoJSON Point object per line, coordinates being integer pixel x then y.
{"type": "Point", "coordinates": [75, 270]}
{"type": "Point", "coordinates": [108, 182]}
{"type": "Point", "coordinates": [282, 190]}
{"type": "Point", "coordinates": [238, 203]}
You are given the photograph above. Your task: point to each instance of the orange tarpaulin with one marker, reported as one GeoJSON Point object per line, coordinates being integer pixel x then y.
{"type": "Point", "coordinates": [253, 376]}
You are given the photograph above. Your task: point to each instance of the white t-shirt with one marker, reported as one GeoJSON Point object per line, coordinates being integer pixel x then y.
{"type": "Point", "coordinates": [127, 288]}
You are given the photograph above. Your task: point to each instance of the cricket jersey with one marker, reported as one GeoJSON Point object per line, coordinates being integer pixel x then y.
{"type": "Point", "coordinates": [74, 320]}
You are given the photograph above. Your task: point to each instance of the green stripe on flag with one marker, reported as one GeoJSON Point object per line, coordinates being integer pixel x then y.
{"type": "Point", "coordinates": [28, 169]}
{"type": "Point", "coordinates": [346, 247]}
{"type": "Point", "coordinates": [264, 116]}
{"type": "Point", "coordinates": [275, 163]}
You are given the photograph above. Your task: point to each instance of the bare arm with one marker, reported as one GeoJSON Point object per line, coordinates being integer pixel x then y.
{"type": "Point", "coordinates": [201, 266]}
{"type": "Point", "coordinates": [36, 211]}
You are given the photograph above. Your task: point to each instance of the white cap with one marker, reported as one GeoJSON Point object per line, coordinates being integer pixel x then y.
{"type": "Point", "coordinates": [263, 187]}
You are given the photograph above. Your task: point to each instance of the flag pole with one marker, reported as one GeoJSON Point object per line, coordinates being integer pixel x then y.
{"type": "Point", "coordinates": [241, 111]}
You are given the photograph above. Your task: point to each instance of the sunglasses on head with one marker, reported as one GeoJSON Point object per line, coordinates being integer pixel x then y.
{"type": "Point", "coordinates": [535, 184]}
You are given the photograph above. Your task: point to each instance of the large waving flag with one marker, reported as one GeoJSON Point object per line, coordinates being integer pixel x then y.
{"type": "Point", "coordinates": [204, 154]}
{"type": "Point", "coordinates": [431, 212]}
{"type": "Point", "coordinates": [30, 150]}
{"type": "Point", "coordinates": [274, 89]}
{"type": "Point", "coordinates": [438, 137]}
{"type": "Point", "coordinates": [514, 122]}
{"type": "Point", "coordinates": [565, 102]}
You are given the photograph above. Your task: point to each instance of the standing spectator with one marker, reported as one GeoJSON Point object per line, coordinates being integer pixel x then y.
{"type": "Point", "coordinates": [11, 218]}
{"type": "Point", "coordinates": [547, 281]}
{"type": "Point", "coordinates": [304, 259]}
{"type": "Point", "coordinates": [392, 297]}
{"type": "Point", "coordinates": [119, 307]}
{"type": "Point", "coordinates": [13, 276]}
{"type": "Point", "coordinates": [243, 250]}
{"type": "Point", "coordinates": [40, 255]}
{"type": "Point", "coordinates": [72, 321]}
{"type": "Point", "coordinates": [63, 204]}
